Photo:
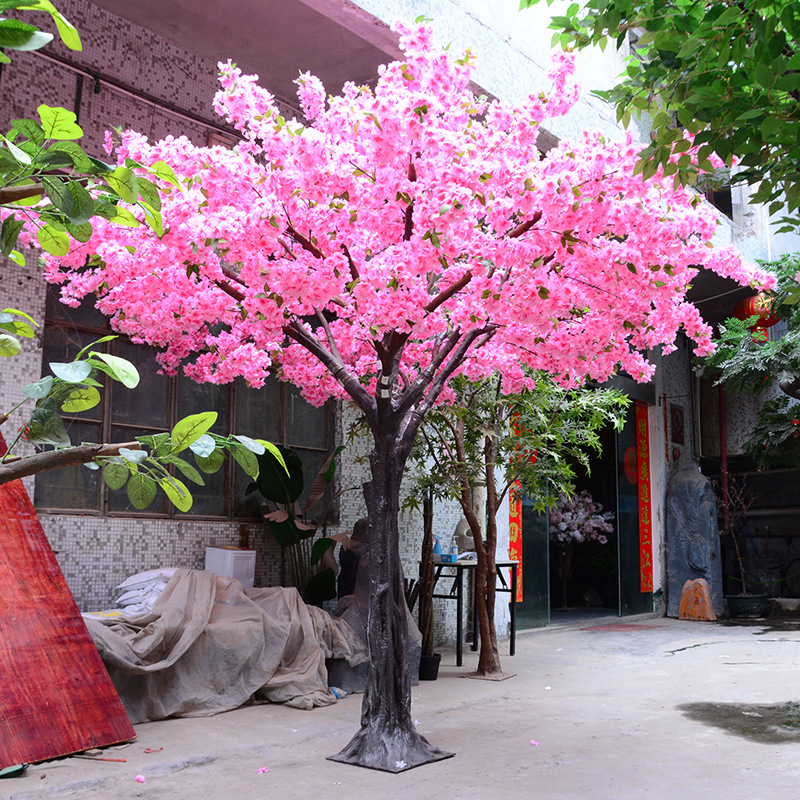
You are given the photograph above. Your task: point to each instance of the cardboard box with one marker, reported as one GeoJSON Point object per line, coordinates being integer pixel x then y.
{"type": "Point", "coordinates": [233, 563]}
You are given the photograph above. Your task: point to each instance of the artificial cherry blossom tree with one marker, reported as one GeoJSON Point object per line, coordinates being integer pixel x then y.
{"type": "Point", "coordinates": [408, 233]}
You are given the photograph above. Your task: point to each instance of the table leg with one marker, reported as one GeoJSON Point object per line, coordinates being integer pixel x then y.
{"type": "Point", "coordinates": [459, 607]}
{"type": "Point", "coordinates": [475, 626]}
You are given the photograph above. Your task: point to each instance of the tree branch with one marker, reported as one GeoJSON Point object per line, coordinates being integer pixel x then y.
{"type": "Point", "coordinates": [353, 268]}
{"type": "Point", "coordinates": [55, 459]}
{"type": "Point", "coordinates": [349, 382]}
{"type": "Point", "coordinates": [447, 293]}
{"type": "Point", "coordinates": [409, 213]}
{"type": "Point", "coordinates": [304, 242]}
{"type": "Point", "coordinates": [11, 194]}
{"type": "Point", "coordinates": [523, 227]}
{"type": "Point", "coordinates": [229, 290]}
{"type": "Point", "coordinates": [452, 356]}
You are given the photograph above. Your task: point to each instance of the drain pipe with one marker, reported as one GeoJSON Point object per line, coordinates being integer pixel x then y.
{"type": "Point", "coordinates": [723, 449]}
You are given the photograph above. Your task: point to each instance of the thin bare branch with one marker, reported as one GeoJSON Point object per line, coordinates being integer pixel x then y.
{"type": "Point", "coordinates": [229, 290]}
{"type": "Point", "coordinates": [523, 227]}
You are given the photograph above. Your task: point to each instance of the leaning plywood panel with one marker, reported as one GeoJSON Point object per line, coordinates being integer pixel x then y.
{"type": "Point", "coordinates": [55, 695]}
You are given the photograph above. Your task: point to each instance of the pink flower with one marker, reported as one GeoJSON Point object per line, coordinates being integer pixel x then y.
{"type": "Point", "coordinates": [388, 218]}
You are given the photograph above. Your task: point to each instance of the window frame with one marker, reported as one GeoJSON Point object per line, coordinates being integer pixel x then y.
{"type": "Point", "coordinates": [102, 508]}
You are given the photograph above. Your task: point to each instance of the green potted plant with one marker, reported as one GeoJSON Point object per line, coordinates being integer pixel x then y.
{"type": "Point", "coordinates": [295, 528]}
{"type": "Point", "coordinates": [745, 603]}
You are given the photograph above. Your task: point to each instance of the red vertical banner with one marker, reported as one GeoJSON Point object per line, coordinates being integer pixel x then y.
{"type": "Point", "coordinates": [645, 517]}
{"type": "Point", "coordinates": [515, 537]}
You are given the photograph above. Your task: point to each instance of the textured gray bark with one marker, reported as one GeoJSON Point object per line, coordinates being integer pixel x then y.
{"type": "Point", "coordinates": [387, 739]}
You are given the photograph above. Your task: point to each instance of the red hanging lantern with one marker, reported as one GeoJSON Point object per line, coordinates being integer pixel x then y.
{"type": "Point", "coordinates": [759, 305]}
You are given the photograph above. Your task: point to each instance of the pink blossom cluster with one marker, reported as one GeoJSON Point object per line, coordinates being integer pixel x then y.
{"type": "Point", "coordinates": [579, 518]}
{"type": "Point", "coordinates": [412, 212]}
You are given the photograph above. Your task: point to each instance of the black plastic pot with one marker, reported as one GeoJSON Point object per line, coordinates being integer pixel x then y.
{"type": "Point", "coordinates": [429, 667]}
{"type": "Point", "coordinates": [747, 606]}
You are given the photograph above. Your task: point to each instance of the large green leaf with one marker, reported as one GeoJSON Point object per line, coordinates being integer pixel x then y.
{"type": "Point", "coordinates": [274, 482]}
{"type": "Point", "coordinates": [149, 193]}
{"type": "Point", "coordinates": [19, 154]}
{"type": "Point", "coordinates": [18, 35]}
{"type": "Point", "coordinates": [245, 458]}
{"type": "Point", "coordinates": [120, 369]}
{"type": "Point", "coordinates": [59, 194]}
{"type": "Point", "coordinates": [321, 546]}
{"type": "Point", "coordinates": [177, 493]}
{"type": "Point", "coordinates": [141, 490]}
{"type": "Point", "coordinates": [9, 345]}
{"type": "Point", "coordinates": [50, 431]}
{"type": "Point", "coordinates": [28, 128]}
{"type": "Point", "coordinates": [76, 153]}
{"type": "Point", "coordinates": [210, 463]}
{"type": "Point", "coordinates": [9, 234]}
{"type": "Point", "coordinates": [204, 446]}
{"type": "Point", "coordinates": [124, 182]}
{"type": "Point", "coordinates": [115, 475]}
{"type": "Point", "coordinates": [321, 587]}
{"type": "Point", "coordinates": [82, 204]}
{"type": "Point", "coordinates": [58, 123]}
{"type": "Point", "coordinates": [284, 531]}
{"type": "Point", "coordinates": [153, 220]}
{"type": "Point", "coordinates": [40, 389]}
{"type": "Point", "coordinates": [253, 445]}
{"type": "Point", "coordinates": [71, 371]}
{"type": "Point", "coordinates": [81, 399]}
{"type": "Point", "coordinates": [81, 233]}
{"type": "Point", "coordinates": [187, 469]}
{"type": "Point", "coordinates": [53, 241]}
{"type": "Point", "coordinates": [124, 217]}
{"type": "Point", "coordinates": [191, 428]}
{"type": "Point", "coordinates": [164, 171]}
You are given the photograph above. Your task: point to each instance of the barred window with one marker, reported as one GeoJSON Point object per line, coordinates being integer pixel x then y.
{"type": "Point", "coordinates": [275, 412]}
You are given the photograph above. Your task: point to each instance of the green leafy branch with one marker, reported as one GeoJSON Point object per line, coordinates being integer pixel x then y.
{"type": "Point", "coordinates": [282, 483]}
{"type": "Point", "coordinates": [142, 465]}
{"type": "Point", "coordinates": [721, 75]}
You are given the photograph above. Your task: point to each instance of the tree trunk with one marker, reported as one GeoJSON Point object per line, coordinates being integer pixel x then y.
{"type": "Point", "coordinates": [486, 584]}
{"type": "Point", "coordinates": [387, 739]}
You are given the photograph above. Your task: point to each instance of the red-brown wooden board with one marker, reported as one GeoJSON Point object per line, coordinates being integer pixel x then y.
{"type": "Point", "coordinates": [55, 695]}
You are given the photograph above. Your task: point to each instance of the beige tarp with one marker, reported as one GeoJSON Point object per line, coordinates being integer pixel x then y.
{"type": "Point", "coordinates": [210, 646]}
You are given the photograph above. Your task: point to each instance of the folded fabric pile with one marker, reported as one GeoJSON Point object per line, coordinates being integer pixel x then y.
{"type": "Point", "coordinates": [139, 592]}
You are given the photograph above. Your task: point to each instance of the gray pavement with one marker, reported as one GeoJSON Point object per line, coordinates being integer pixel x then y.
{"type": "Point", "coordinates": [645, 708]}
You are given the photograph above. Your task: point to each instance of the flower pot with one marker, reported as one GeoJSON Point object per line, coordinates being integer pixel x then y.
{"type": "Point", "coordinates": [747, 606]}
{"type": "Point", "coordinates": [429, 667]}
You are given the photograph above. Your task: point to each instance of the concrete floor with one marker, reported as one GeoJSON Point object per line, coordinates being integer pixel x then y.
{"type": "Point", "coordinates": [649, 708]}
